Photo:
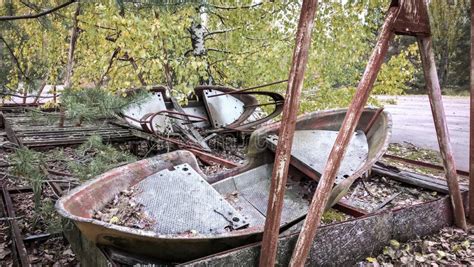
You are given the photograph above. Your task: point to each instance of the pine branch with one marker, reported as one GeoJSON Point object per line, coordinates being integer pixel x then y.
{"type": "Point", "coordinates": [37, 15]}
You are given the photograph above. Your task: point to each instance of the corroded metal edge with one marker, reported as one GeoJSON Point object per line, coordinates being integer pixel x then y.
{"type": "Point", "coordinates": [348, 242]}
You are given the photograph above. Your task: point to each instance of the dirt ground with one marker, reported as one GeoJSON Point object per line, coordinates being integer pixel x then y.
{"type": "Point", "coordinates": [413, 123]}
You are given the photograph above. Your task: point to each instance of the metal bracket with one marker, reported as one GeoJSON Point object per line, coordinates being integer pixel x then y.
{"type": "Point", "coordinates": [412, 18]}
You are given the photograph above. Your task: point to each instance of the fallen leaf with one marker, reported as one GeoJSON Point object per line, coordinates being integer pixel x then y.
{"type": "Point", "coordinates": [114, 220]}
{"type": "Point", "coordinates": [371, 260]}
{"type": "Point", "coordinates": [395, 244]}
{"type": "Point", "coordinates": [441, 254]}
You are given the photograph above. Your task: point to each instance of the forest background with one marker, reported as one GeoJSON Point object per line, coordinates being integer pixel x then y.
{"type": "Point", "coordinates": [118, 44]}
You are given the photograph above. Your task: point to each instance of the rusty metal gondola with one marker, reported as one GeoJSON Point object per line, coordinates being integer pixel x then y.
{"type": "Point", "coordinates": [214, 213]}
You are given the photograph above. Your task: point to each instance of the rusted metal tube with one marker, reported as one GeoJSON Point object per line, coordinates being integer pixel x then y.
{"type": "Point", "coordinates": [439, 117]}
{"type": "Point", "coordinates": [471, 136]}
{"type": "Point", "coordinates": [212, 158]}
{"type": "Point", "coordinates": [349, 124]}
{"type": "Point", "coordinates": [287, 129]}
{"type": "Point", "coordinates": [422, 164]}
{"type": "Point", "coordinates": [248, 89]}
{"type": "Point", "coordinates": [16, 233]}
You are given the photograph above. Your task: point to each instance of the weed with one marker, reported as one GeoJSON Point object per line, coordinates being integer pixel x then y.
{"type": "Point", "coordinates": [28, 164]}
{"type": "Point", "coordinates": [97, 158]}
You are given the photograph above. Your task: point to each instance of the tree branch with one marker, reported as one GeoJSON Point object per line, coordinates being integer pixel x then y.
{"type": "Point", "coordinates": [220, 51]}
{"type": "Point", "coordinates": [37, 15]}
{"type": "Point", "coordinates": [30, 5]}
{"type": "Point", "coordinates": [235, 7]}
{"type": "Point", "coordinates": [132, 61]}
{"type": "Point", "coordinates": [219, 31]}
{"type": "Point", "coordinates": [17, 62]}
{"type": "Point", "coordinates": [111, 61]}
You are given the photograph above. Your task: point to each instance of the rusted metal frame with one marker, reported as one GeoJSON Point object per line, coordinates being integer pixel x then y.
{"type": "Point", "coordinates": [309, 172]}
{"type": "Point", "coordinates": [202, 119]}
{"type": "Point", "coordinates": [212, 158]}
{"type": "Point", "coordinates": [287, 129]}
{"type": "Point", "coordinates": [422, 164]}
{"type": "Point", "coordinates": [190, 132]}
{"type": "Point", "coordinates": [250, 88]}
{"type": "Point", "coordinates": [340, 245]}
{"type": "Point", "coordinates": [373, 120]}
{"type": "Point", "coordinates": [49, 143]}
{"type": "Point", "coordinates": [11, 133]}
{"type": "Point", "coordinates": [413, 18]}
{"type": "Point", "coordinates": [25, 95]}
{"type": "Point", "coordinates": [56, 188]}
{"type": "Point", "coordinates": [73, 140]}
{"type": "Point", "coordinates": [55, 94]}
{"type": "Point", "coordinates": [265, 104]}
{"type": "Point", "coordinates": [2, 120]}
{"type": "Point", "coordinates": [412, 178]}
{"type": "Point", "coordinates": [4, 215]}
{"type": "Point", "coordinates": [16, 233]}
{"type": "Point", "coordinates": [150, 118]}
{"type": "Point", "coordinates": [176, 142]}
{"type": "Point", "coordinates": [64, 142]}
{"type": "Point", "coordinates": [471, 130]}
{"type": "Point", "coordinates": [19, 190]}
{"type": "Point", "coordinates": [41, 237]}
{"type": "Point", "coordinates": [59, 173]}
{"type": "Point", "coordinates": [72, 135]}
{"type": "Point", "coordinates": [244, 97]}
{"type": "Point", "coordinates": [348, 126]}
{"type": "Point", "coordinates": [238, 126]}
{"type": "Point", "coordinates": [347, 208]}
{"type": "Point", "coordinates": [27, 133]}
{"type": "Point", "coordinates": [442, 133]}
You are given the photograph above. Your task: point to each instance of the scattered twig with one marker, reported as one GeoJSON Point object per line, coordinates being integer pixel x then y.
{"type": "Point", "coordinates": [386, 202]}
{"type": "Point", "coordinates": [366, 188]}
{"type": "Point", "coordinates": [11, 218]}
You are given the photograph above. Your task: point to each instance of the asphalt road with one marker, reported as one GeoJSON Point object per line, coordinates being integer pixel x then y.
{"type": "Point", "coordinates": [413, 122]}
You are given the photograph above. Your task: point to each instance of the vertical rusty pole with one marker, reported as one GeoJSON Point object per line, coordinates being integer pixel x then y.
{"type": "Point", "coordinates": [54, 94]}
{"type": "Point", "coordinates": [25, 94]}
{"type": "Point", "coordinates": [349, 124]}
{"type": "Point", "coordinates": [439, 117]}
{"type": "Point", "coordinates": [471, 139]}
{"type": "Point", "coordinates": [287, 129]}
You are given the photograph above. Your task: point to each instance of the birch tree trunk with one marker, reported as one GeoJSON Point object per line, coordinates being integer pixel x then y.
{"type": "Point", "coordinates": [72, 47]}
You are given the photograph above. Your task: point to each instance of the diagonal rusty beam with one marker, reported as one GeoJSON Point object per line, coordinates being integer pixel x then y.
{"type": "Point", "coordinates": [349, 124]}
{"type": "Point", "coordinates": [287, 129]}
{"type": "Point", "coordinates": [442, 133]}
{"type": "Point", "coordinates": [16, 233]}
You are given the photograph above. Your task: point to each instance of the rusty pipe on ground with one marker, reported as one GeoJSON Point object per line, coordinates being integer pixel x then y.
{"type": "Point", "coordinates": [349, 124]}
{"type": "Point", "coordinates": [287, 129]}
{"type": "Point", "coordinates": [442, 133]}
